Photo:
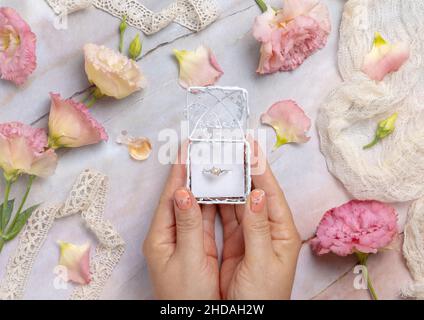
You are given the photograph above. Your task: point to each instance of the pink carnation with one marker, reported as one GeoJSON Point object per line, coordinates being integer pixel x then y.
{"type": "Point", "coordinates": [291, 34]}
{"type": "Point", "coordinates": [357, 226]}
{"type": "Point", "coordinates": [17, 47]}
{"type": "Point", "coordinates": [71, 125]}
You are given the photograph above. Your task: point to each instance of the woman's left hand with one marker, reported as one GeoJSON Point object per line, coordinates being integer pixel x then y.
{"type": "Point", "coordinates": [180, 247]}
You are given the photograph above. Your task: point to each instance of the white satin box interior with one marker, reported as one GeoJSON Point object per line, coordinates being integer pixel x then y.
{"type": "Point", "coordinates": [218, 162]}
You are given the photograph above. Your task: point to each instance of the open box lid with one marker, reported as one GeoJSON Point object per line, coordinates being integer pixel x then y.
{"type": "Point", "coordinates": [217, 113]}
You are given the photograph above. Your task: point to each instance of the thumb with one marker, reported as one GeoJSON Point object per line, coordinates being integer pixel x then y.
{"type": "Point", "coordinates": [256, 227]}
{"type": "Point", "coordinates": [189, 222]}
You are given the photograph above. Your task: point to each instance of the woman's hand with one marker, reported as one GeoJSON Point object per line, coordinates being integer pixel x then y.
{"type": "Point", "coordinates": [261, 244]}
{"type": "Point", "coordinates": [180, 247]}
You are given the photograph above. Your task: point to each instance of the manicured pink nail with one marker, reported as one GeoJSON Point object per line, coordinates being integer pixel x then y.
{"type": "Point", "coordinates": [183, 199]}
{"type": "Point", "coordinates": [257, 200]}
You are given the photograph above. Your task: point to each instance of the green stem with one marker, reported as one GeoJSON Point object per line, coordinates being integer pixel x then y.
{"type": "Point", "coordinates": [121, 42]}
{"type": "Point", "coordinates": [88, 96]}
{"type": "Point", "coordinates": [1, 244]}
{"type": "Point", "coordinates": [5, 203]}
{"type": "Point", "coordinates": [362, 258]}
{"type": "Point", "coordinates": [24, 199]}
{"type": "Point", "coordinates": [372, 144]}
{"type": "Point", "coordinates": [262, 5]}
{"type": "Point", "coordinates": [91, 102]}
{"type": "Point", "coordinates": [371, 288]}
{"type": "Point", "coordinates": [21, 206]}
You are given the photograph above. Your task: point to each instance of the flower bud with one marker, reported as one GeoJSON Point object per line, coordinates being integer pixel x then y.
{"type": "Point", "coordinates": [123, 25]}
{"type": "Point", "coordinates": [122, 28]}
{"type": "Point", "coordinates": [135, 47]}
{"type": "Point", "coordinates": [386, 126]}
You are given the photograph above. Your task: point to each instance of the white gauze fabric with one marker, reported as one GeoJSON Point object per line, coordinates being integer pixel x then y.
{"type": "Point", "coordinates": [192, 14]}
{"type": "Point", "coordinates": [393, 170]}
{"type": "Point", "coordinates": [413, 249]}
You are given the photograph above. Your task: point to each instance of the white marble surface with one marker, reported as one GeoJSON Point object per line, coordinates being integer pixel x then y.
{"type": "Point", "coordinates": [136, 186]}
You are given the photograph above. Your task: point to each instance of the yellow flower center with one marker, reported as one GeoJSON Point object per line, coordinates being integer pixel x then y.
{"type": "Point", "coordinates": [283, 24]}
{"type": "Point", "coordinates": [9, 41]}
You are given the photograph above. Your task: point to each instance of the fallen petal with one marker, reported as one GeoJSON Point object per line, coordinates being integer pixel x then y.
{"type": "Point", "coordinates": [384, 58]}
{"type": "Point", "coordinates": [289, 122]}
{"type": "Point", "coordinates": [76, 259]}
{"type": "Point", "coordinates": [198, 68]}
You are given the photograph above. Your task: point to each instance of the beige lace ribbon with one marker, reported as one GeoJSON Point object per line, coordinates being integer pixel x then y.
{"type": "Point", "coordinates": [87, 198]}
{"type": "Point", "coordinates": [192, 14]}
{"type": "Point", "coordinates": [393, 170]}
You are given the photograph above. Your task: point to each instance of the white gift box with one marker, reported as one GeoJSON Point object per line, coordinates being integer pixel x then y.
{"type": "Point", "coordinates": [218, 162]}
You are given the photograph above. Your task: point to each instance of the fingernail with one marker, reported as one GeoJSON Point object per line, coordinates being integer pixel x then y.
{"type": "Point", "coordinates": [257, 200]}
{"type": "Point", "coordinates": [183, 199]}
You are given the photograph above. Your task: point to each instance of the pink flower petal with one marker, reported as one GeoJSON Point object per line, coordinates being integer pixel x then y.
{"type": "Point", "coordinates": [44, 165]}
{"type": "Point", "coordinates": [198, 68]}
{"type": "Point", "coordinates": [262, 28]}
{"type": "Point", "coordinates": [71, 125]}
{"type": "Point", "coordinates": [312, 8]}
{"type": "Point", "coordinates": [291, 34]}
{"type": "Point", "coordinates": [357, 226]}
{"type": "Point", "coordinates": [17, 47]}
{"type": "Point", "coordinates": [289, 122]}
{"type": "Point", "coordinates": [76, 259]}
{"type": "Point", "coordinates": [384, 58]}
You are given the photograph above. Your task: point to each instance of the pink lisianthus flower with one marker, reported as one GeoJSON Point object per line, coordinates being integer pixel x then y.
{"type": "Point", "coordinates": [23, 150]}
{"type": "Point", "coordinates": [17, 47]}
{"type": "Point", "coordinates": [290, 35]}
{"type": "Point", "coordinates": [357, 226]}
{"type": "Point", "coordinates": [111, 72]}
{"type": "Point", "coordinates": [71, 125]}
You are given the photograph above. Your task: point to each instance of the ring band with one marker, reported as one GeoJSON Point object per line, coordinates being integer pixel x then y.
{"type": "Point", "coordinates": [215, 171]}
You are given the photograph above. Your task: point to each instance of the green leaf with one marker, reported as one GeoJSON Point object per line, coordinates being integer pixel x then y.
{"type": "Point", "coordinates": [14, 230]}
{"type": "Point", "coordinates": [8, 213]}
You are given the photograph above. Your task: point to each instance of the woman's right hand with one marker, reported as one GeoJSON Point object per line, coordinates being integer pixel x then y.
{"type": "Point", "coordinates": [261, 244]}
